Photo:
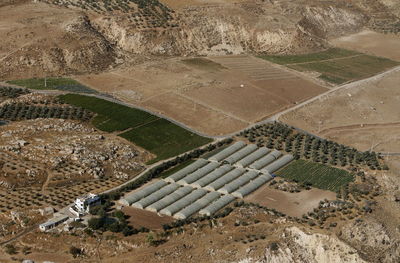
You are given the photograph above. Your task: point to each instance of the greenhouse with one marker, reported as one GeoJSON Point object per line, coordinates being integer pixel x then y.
{"type": "Point", "coordinates": [253, 157]}
{"type": "Point", "coordinates": [230, 176]}
{"type": "Point", "coordinates": [241, 153]}
{"type": "Point", "coordinates": [169, 199]}
{"type": "Point", "coordinates": [148, 200]}
{"type": "Point", "coordinates": [198, 174]}
{"type": "Point", "coordinates": [196, 206]}
{"type": "Point", "coordinates": [139, 194]}
{"type": "Point", "coordinates": [278, 164]}
{"type": "Point", "coordinates": [252, 186]}
{"type": "Point", "coordinates": [183, 202]}
{"type": "Point", "coordinates": [235, 184]}
{"type": "Point", "coordinates": [214, 175]}
{"type": "Point", "coordinates": [264, 161]}
{"type": "Point", "coordinates": [185, 171]}
{"type": "Point", "coordinates": [228, 151]}
{"type": "Point", "coordinates": [217, 205]}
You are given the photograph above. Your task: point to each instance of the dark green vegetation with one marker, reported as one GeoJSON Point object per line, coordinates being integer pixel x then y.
{"type": "Point", "coordinates": [111, 221]}
{"type": "Point", "coordinates": [11, 92]}
{"type": "Point", "coordinates": [315, 174]}
{"type": "Point", "coordinates": [306, 146]}
{"type": "Point", "coordinates": [64, 84]}
{"type": "Point", "coordinates": [336, 65]}
{"type": "Point", "coordinates": [21, 111]}
{"type": "Point", "coordinates": [159, 136]}
{"type": "Point", "coordinates": [311, 57]}
{"type": "Point", "coordinates": [110, 116]}
{"type": "Point", "coordinates": [164, 139]}
{"type": "Point", "coordinates": [203, 63]}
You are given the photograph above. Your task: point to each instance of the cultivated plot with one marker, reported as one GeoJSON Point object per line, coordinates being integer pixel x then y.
{"type": "Point", "coordinates": [318, 175]}
{"type": "Point", "coordinates": [336, 65]}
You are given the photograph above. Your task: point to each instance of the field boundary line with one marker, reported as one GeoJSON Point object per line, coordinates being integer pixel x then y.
{"type": "Point", "coordinates": [324, 60]}
{"type": "Point", "coordinates": [211, 108]}
{"type": "Point", "coordinates": [141, 125]}
{"type": "Point", "coordinates": [359, 127]}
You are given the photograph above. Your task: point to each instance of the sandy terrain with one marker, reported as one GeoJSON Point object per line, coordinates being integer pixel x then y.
{"type": "Point", "coordinates": [378, 44]}
{"type": "Point", "coordinates": [362, 116]}
{"type": "Point", "coordinates": [293, 204]}
{"type": "Point", "coordinates": [219, 97]}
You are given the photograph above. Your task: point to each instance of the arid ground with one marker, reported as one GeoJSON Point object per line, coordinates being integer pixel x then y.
{"type": "Point", "coordinates": [362, 116]}
{"type": "Point", "coordinates": [216, 96]}
{"type": "Point", "coordinates": [370, 42]}
{"type": "Point", "coordinates": [293, 204]}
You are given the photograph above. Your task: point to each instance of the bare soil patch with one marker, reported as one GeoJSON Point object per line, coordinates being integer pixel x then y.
{"type": "Point", "coordinates": [293, 90]}
{"type": "Point", "coordinates": [141, 217]}
{"type": "Point", "coordinates": [293, 204]}
{"type": "Point", "coordinates": [378, 44]}
{"type": "Point", "coordinates": [366, 110]}
{"type": "Point", "coordinates": [184, 110]}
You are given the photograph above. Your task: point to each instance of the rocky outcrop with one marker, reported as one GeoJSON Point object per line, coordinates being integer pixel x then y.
{"type": "Point", "coordinates": [298, 246]}
{"type": "Point", "coordinates": [207, 31]}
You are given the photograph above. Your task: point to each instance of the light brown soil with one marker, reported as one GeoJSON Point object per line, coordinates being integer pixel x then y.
{"type": "Point", "coordinates": [381, 138]}
{"type": "Point", "coordinates": [362, 115]}
{"type": "Point", "coordinates": [378, 44]}
{"type": "Point", "coordinates": [183, 109]}
{"type": "Point", "coordinates": [215, 100]}
{"type": "Point", "coordinates": [293, 204]}
{"type": "Point", "coordinates": [141, 217]}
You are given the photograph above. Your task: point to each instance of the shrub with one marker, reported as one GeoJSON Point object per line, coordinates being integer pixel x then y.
{"type": "Point", "coordinates": [74, 251]}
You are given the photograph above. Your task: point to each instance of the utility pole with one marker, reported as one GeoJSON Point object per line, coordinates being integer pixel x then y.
{"type": "Point", "coordinates": [45, 82]}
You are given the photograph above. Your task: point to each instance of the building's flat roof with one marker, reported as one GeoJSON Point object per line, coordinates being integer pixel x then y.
{"type": "Point", "coordinates": [54, 220]}
{"type": "Point", "coordinates": [86, 196]}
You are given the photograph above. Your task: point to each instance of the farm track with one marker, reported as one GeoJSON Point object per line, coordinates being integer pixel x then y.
{"type": "Point", "coordinates": [366, 126]}
{"type": "Point", "coordinates": [20, 234]}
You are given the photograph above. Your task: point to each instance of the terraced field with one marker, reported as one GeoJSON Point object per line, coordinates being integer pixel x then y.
{"type": "Point", "coordinates": [336, 65]}
{"type": "Point", "coordinates": [319, 175]}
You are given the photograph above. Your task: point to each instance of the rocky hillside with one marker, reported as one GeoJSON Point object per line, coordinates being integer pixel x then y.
{"type": "Point", "coordinates": [77, 36]}
{"type": "Point", "coordinates": [50, 41]}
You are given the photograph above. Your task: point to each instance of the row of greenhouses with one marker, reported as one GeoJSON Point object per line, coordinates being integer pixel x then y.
{"type": "Point", "coordinates": [205, 186]}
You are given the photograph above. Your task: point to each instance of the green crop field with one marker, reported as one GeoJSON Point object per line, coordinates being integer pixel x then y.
{"type": "Point", "coordinates": [336, 65]}
{"type": "Point", "coordinates": [64, 84]}
{"type": "Point", "coordinates": [110, 116]}
{"type": "Point", "coordinates": [159, 136]}
{"type": "Point", "coordinates": [319, 175]}
{"type": "Point", "coordinates": [164, 139]}
{"type": "Point", "coordinates": [323, 55]}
